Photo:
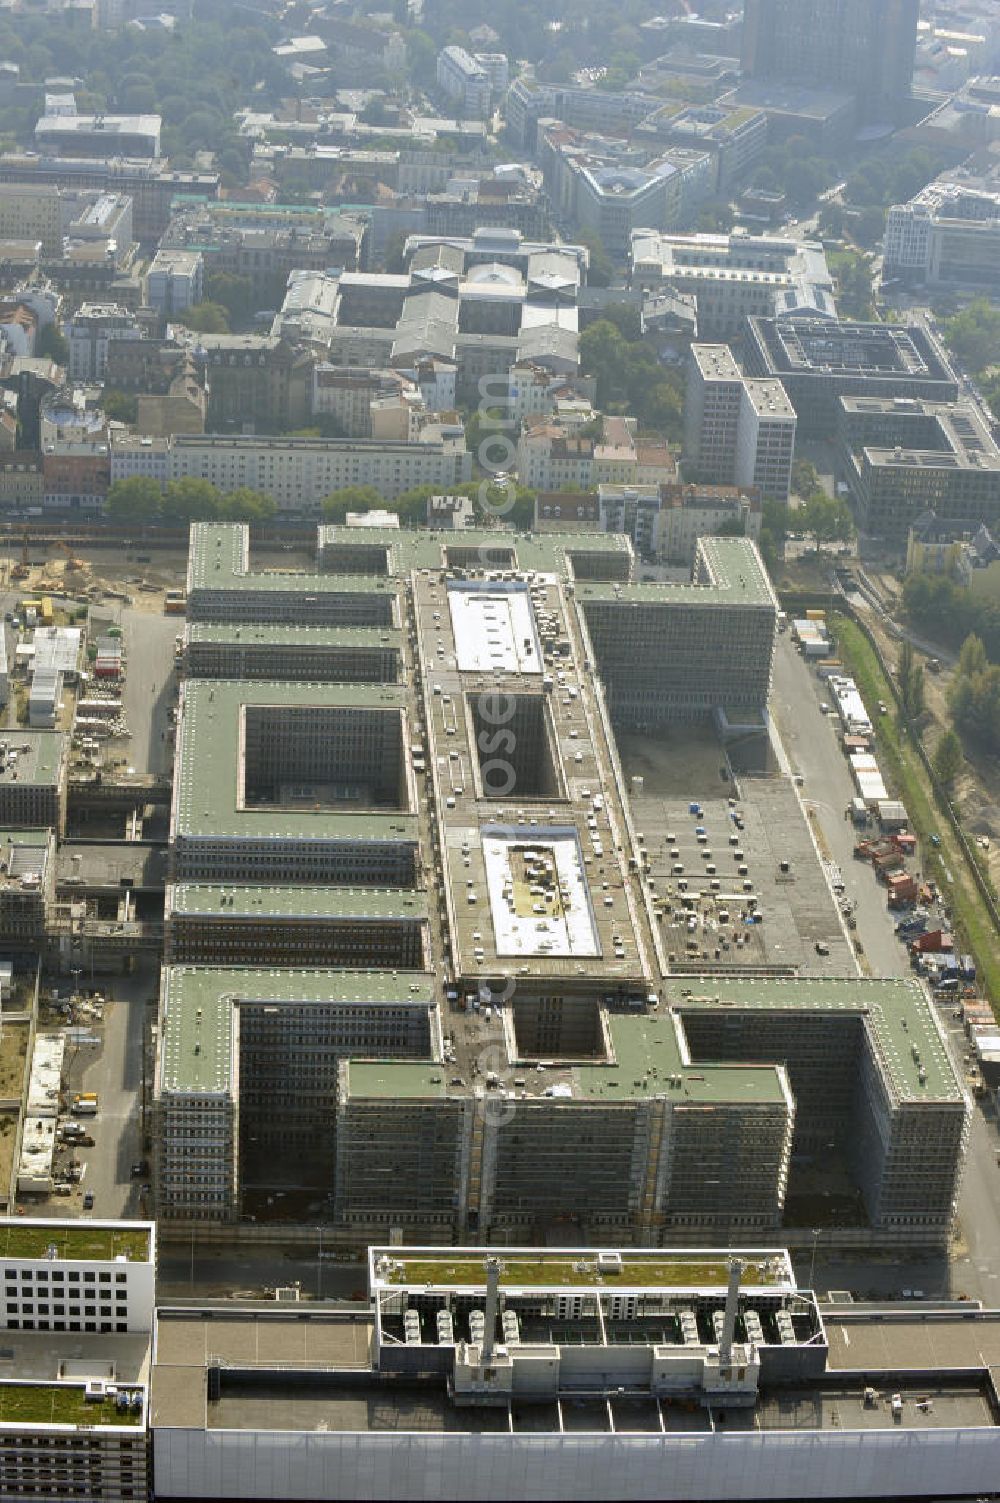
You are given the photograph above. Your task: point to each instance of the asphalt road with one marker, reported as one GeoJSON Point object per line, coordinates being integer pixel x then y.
{"type": "Point", "coordinates": [149, 686]}
{"type": "Point", "coordinates": [114, 1071]}
{"type": "Point", "coordinates": [811, 743]}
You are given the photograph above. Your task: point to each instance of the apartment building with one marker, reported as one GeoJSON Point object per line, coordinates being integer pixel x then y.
{"type": "Point", "coordinates": [32, 211]}
{"type": "Point", "coordinates": [903, 457]}
{"type": "Point", "coordinates": [77, 1320]}
{"type": "Point", "coordinates": [665, 521]}
{"type": "Point", "coordinates": [735, 277]}
{"type": "Point", "coordinates": [239, 240]}
{"type": "Point", "coordinates": [737, 430]}
{"type": "Point", "coordinates": [346, 393]}
{"type": "Point", "coordinates": [818, 361]}
{"type": "Point", "coordinates": [948, 234]}
{"type": "Point", "coordinates": [735, 137]}
{"type": "Point", "coordinates": [89, 333]}
{"type": "Point", "coordinates": [300, 472]}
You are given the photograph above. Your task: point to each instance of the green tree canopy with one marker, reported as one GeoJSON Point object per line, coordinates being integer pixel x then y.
{"type": "Point", "coordinates": [826, 519]}
{"type": "Point", "coordinates": [974, 334]}
{"type": "Point", "coordinates": [205, 318]}
{"type": "Point", "coordinates": [121, 406]}
{"type": "Point", "coordinates": [948, 758]}
{"type": "Point", "coordinates": [351, 498]}
{"type": "Point", "coordinates": [137, 500]}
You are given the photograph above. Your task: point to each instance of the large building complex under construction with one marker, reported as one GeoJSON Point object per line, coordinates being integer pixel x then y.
{"type": "Point", "coordinates": [415, 985]}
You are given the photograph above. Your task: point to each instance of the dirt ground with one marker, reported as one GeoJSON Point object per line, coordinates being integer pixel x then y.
{"type": "Point", "coordinates": [104, 575]}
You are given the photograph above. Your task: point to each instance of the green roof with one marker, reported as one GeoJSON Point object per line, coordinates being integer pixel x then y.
{"type": "Point", "coordinates": [900, 1020]}
{"type": "Point", "coordinates": [738, 578]}
{"type": "Point", "coordinates": [205, 899]}
{"type": "Point", "coordinates": [206, 768]}
{"type": "Point", "coordinates": [196, 1010]}
{"type": "Point", "coordinates": [88, 1241]}
{"type": "Point", "coordinates": [558, 1270]}
{"type": "Point", "coordinates": [59, 1404]}
{"type": "Point", "coordinates": [39, 764]}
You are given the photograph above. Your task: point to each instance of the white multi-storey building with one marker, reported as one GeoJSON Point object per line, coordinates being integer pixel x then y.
{"type": "Point", "coordinates": [737, 430]}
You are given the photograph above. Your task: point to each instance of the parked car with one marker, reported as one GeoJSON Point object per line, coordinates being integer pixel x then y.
{"type": "Point", "coordinates": [88, 1201]}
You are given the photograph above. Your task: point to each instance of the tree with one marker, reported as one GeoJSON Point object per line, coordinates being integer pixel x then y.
{"type": "Point", "coordinates": [351, 498]}
{"type": "Point", "coordinates": [394, 261]}
{"type": "Point", "coordinates": [121, 406]}
{"type": "Point", "coordinates": [826, 519]}
{"type": "Point", "coordinates": [137, 500]}
{"type": "Point", "coordinates": [233, 293]}
{"type": "Point", "coordinates": [191, 500]}
{"type": "Point", "coordinates": [52, 344]}
{"type": "Point", "coordinates": [246, 505]}
{"type": "Point", "coordinates": [972, 658]}
{"type": "Point", "coordinates": [974, 334]}
{"type": "Point", "coordinates": [204, 318]}
{"type": "Point", "coordinates": [947, 759]}
{"type": "Point", "coordinates": [911, 682]}
{"type": "Point", "coordinates": [805, 478]}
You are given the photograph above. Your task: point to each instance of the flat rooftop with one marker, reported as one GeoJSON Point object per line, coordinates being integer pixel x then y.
{"type": "Point", "coordinates": [494, 627]}
{"type": "Point", "coordinates": [219, 559]}
{"type": "Point", "coordinates": [278, 634]}
{"type": "Point", "coordinates": [898, 1014]}
{"type": "Point", "coordinates": [196, 1039]}
{"type": "Point", "coordinates": [32, 757]}
{"type": "Point", "coordinates": [527, 1269]}
{"type": "Point", "coordinates": [209, 755]}
{"type": "Point", "coordinates": [737, 577]}
{"type": "Point", "coordinates": [647, 1059]}
{"type": "Point", "coordinates": [909, 1341]}
{"type": "Point", "coordinates": [529, 918]}
{"type": "Point", "coordinates": [253, 902]}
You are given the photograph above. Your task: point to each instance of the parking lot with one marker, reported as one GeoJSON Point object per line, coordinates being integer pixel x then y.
{"type": "Point", "coordinates": [733, 869]}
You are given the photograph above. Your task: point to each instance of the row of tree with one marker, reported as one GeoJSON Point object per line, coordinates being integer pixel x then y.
{"type": "Point", "coordinates": [140, 502]}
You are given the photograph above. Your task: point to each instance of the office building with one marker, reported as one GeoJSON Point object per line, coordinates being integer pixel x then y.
{"type": "Point", "coordinates": [27, 887]}
{"type": "Point", "coordinates": [903, 457]}
{"type": "Point", "coordinates": [735, 277]}
{"type": "Point", "coordinates": [737, 430]}
{"type": "Point", "coordinates": [736, 137]}
{"type": "Point", "coordinates": [98, 135]}
{"type": "Point", "coordinates": [820, 361]}
{"type": "Point", "coordinates": [947, 236]}
{"type": "Point", "coordinates": [465, 81]}
{"type": "Point", "coordinates": [865, 47]}
{"type": "Point", "coordinates": [241, 240]}
{"type": "Point", "coordinates": [313, 654]}
{"type": "Point", "coordinates": [77, 1321]}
